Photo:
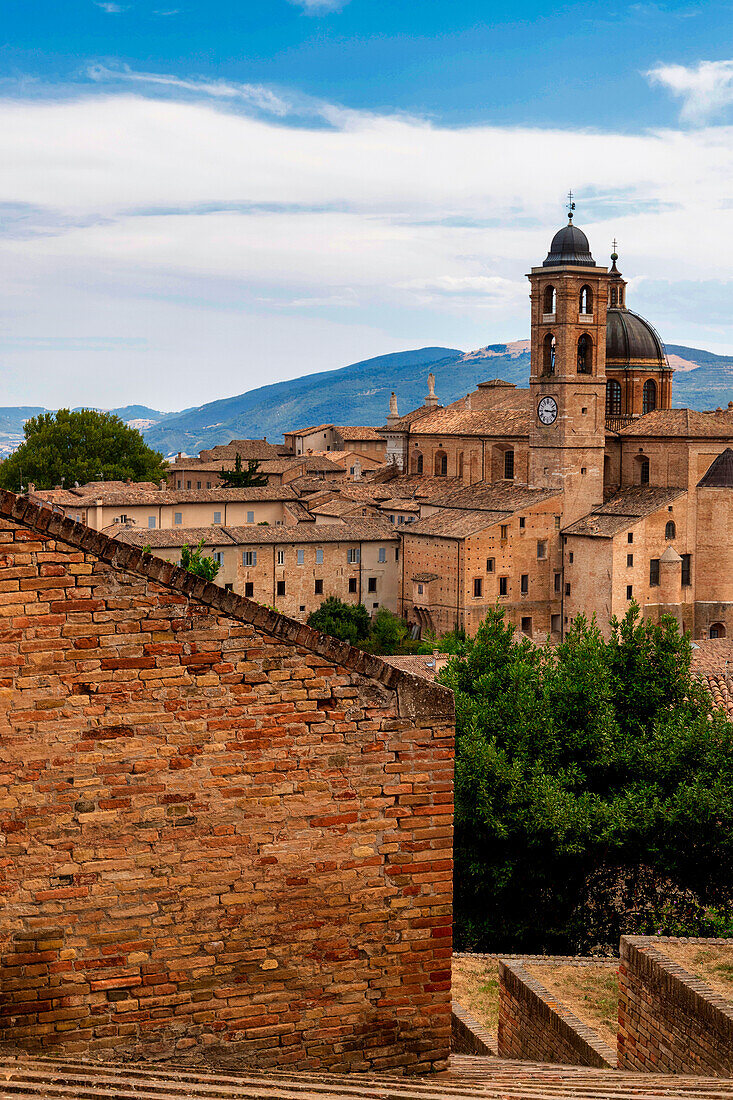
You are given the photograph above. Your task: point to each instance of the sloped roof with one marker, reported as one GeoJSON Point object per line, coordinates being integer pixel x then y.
{"type": "Point", "coordinates": [503, 419]}
{"type": "Point", "coordinates": [682, 423]}
{"type": "Point", "coordinates": [114, 496]}
{"type": "Point", "coordinates": [350, 530]}
{"type": "Point", "coordinates": [246, 448]}
{"type": "Point", "coordinates": [404, 422]}
{"type": "Point", "coordinates": [712, 662]}
{"type": "Point", "coordinates": [449, 524]}
{"type": "Point", "coordinates": [623, 510]}
{"type": "Point", "coordinates": [489, 496]}
{"type": "Point", "coordinates": [413, 692]}
{"type": "Point", "coordinates": [720, 473]}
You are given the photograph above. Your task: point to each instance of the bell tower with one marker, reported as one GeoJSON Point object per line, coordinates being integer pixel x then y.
{"type": "Point", "coordinates": [568, 372]}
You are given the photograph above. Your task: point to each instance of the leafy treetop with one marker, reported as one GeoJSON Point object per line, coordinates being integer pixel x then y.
{"type": "Point", "coordinates": [239, 478]}
{"type": "Point", "coordinates": [350, 622]}
{"type": "Point", "coordinates": [67, 447]}
{"type": "Point", "coordinates": [195, 561]}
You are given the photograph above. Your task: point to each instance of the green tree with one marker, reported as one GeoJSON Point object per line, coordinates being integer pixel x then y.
{"type": "Point", "coordinates": [195, 561]}
{"type": "Point", "coordinates": [388, 632]}
{"type": "Point", "coordinates": [239, 478]}
{"type": "Point", "coordinates": [347, 621]}
{"type": "Point", "coordinates": [594, 789]}
{"type": "Point", "coordinates": [66, 447]}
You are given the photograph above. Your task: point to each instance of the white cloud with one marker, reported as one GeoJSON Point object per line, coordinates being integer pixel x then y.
{"type": "Point", "coordinates": [319, 7]}
{"type": "Point", "coordinates": [110, 8]}
{"type": "Point", "coordinates": [705, 89]}
{"type": "Point", "coordinates": [192, 247]}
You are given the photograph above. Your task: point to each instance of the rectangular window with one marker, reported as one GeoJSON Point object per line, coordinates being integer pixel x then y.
{"type": "Point", "coordinates": [281, 588]}
{"type": "Point", "coordinates": [629, 560]}
{"type": "Point", "coordinates": [524, 584]}
{"type": "Point", "coordinates": [557, 582]}
{"type": "Point", "coordinates": [567, 589]}
{"type": "Point", "coordinates": [372, 584]}
{"type": "Point", "coordinates": [217, 517]}
{"type": "Point", "coordinates": [504, 530]}
{"type": "Point", "coordinates": [527, 625]}
{"type": "Point", "coordinates": [151, 521]}
{"type": "Point", "coordinates": [557, 523]}
{"type": "Point", "coordinates": [281, 557]}
{"type": "Point", "coordinates": [396, 553]}
{"type": "Point", "coordinates": [249, 558]}
{"type": "Point", "coordinates": [654, 572]}
{"type": "Point", "coordinates": [391, 519]}
{"type": "Point", "coordinates": [382, 553]}
{"type": "Point", "coordinates": [489, 565]}
{"type": "Point", "coordinates": [249, 589]}
{"type": "Point", "coordinates": [218, 557]}
{"type": "Point", "coordinates": [629, 591]}
{"type": "Point", "coordinates": [571, 558]}
{"type": "Point", "coordinates": [686, 569]}
{"type": "Point", "coordinates": [522, 522]}
{"type": "Point", "coordinates": [630, 536]}
{"type": "Point", "coordinates": [198, 484]}
{"type": "Point", "coordinates": [319, 588]}
{"type": "Point", "coordinates": [400, 519]}
{"type": "Point", "coordinates": [555, 624]}
{"type": "Point", "coordinates": [250, 517]}
{"type": "Point", "coordinates": [179, 484]}
{"type": "Point", "coordinates": [301, 557]}
{"type": "Point", "coordinates": [208, 484]}
{"type": "Point", "coordinates": [420, 590]}
{"type": "Point", "coordinates": [178, 517]}
{"type": "Point", "coordinates": [352, 584]}
{"type": "Point", "coordinates": [509, 465]}
{"type": "Point", "coordinates": [478, 586]}
{"type": "Point", "coordinates": [319, 556]}
{"type": "Point", "coordinates": [353, 555]}
{"type": "Point", "coordinates": [541, 549]}
{"type": "Point", "coordinates": [188, 484]}
{"type": "Point", "coordinates": [503, 586]}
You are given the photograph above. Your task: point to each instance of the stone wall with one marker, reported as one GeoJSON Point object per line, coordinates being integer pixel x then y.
{"type": "Point", "coordinates": [670, 1021]}
{"type": "Point", "coordinates": [535, 1027]}
{"type": "Point", "coordinates": [220, 831]}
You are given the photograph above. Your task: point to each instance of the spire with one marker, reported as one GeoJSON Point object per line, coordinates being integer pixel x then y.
{"type": "Point", "coordinates": [431, 400]}
{"type": "Point", "coordinates": [571, 207]}
{"type": "Point", "coordinates": [614, 256]}
{"type": "Point", "coordinates": [393, 414]}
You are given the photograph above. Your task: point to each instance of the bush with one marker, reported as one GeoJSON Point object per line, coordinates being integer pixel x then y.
{"type": "Point", "coordinates": [588, 777]}
{"type": "Point", "coordinates": [347, 621]}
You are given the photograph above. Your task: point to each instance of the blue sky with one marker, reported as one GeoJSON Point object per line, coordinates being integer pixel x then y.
{"type": "Point", "coordinates": [197, 198]}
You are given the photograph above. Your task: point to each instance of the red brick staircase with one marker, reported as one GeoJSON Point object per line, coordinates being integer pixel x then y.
{"type": "Point", "coordinates": [481, 1078]}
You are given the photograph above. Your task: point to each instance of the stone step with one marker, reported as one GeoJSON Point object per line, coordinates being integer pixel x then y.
{"type": "Point", "coordinates": [479, 1078]}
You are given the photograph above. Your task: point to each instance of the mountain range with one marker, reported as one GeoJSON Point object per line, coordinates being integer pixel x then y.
{"type": "Point", "coordinates": [359, 394]}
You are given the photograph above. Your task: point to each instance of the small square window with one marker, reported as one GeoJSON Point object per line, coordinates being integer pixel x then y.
{"type": "Point", "coordinates": [372, 584]}
{"type": "Point", "coordinates": [249, 589]}
{"type": "Point", "coordinates": [375, 605]}
{"type": "Point", "coordinates": [489, 565]}
{"type": "Point", "coordinates": [629, 560]}
{"type": "Point", "coordinates": [281, 588]}
{"type": "Point", "coordinates": [503, 586]}
{"type": "Point", "coordinates": [478, 587]}
{"type": "Point", "coordinates": [583, 470]}
{"type": "Point", "coordinates": [584, 410]}
{"type": "Point", "coordinates": [352, 584]}
{"type": "Point", "coordinates": [301, 557]}
{"type": "Point", "coordinates": [319, 588]}
{"type": "Point", "coordinates": [228, 587]}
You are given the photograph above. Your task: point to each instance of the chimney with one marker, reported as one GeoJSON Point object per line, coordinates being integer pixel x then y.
{"type": "Point", "coordinates": [179, 456]}
{"type": "Point", "coordinates": [431, 400]}
{"type": "Point", "coordinates": [357, 470]}
{"type": "Point", "coordinates": [393, 414]}
{"type": "Point", "coordinates": [161, 484]}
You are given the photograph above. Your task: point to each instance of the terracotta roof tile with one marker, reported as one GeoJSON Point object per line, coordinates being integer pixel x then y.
{"type": "Point", "coordinates": [450, 524]}
{"type": "Point", "coordinates": [134, 494]}
{"type": "Point", "coordinates": [352, 530]}
{"type": "Point", "coordinates": [684, 423]}
{"type": "Point", "coordinates": [624, 510]}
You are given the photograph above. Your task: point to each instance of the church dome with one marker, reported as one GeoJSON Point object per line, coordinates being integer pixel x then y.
{"type": "Point", "coordinates": [630, 338]}
{"type": "Point", "coordinates": [569, 246]}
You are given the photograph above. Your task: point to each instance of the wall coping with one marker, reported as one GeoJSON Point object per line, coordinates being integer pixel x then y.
{"type": "Point", "coordinates": [467, 1032]}
{"type": "Point", "coordinates": [578, 1033]}
{"type": "Point", "coordinates": [715, 1009]}
{"type": "Point", "coordinates": [415, 695]}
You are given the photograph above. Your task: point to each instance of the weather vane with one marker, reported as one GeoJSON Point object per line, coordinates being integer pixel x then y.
{"type": "Point", "coordinates": [571, 206]}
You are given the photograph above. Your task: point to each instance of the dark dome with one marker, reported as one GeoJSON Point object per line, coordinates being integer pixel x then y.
{"type": "Point", "coordinates": [569, 246]}
{"type": "Point", "coordinates": [629, 337]}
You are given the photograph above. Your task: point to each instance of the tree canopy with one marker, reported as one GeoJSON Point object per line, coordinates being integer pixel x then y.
{"type": "Point", "coordinates": [195, 561]}
{"type": "Point", "coordinates": [347, 621]}
{"type": "Point", "coordinates": [594, 789]}
{"type": "Point", "coordinates": [66, 447]}
{"type": "Point", "coordinates": [239, 478]}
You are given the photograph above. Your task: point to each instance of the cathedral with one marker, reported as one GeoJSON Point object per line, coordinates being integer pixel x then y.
{"type": "Point", "coordinates": [580, 494]}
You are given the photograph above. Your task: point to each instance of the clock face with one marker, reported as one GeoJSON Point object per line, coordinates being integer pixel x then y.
{"type": "Point", "coordinates": [547, 410]}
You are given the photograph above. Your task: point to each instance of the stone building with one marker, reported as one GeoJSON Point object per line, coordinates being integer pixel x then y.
{"type": "Point", "coordinates": [295, 568]}
{"type": "Point", "coordinates": [641, 493]}
{"type": "Point", "coordinates": [333, 437]}
{"type": "Point", "coordinates": [223, 833]}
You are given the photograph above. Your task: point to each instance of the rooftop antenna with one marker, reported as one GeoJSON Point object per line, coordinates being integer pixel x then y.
{"type": "Point", "coordinates": [571, 207]}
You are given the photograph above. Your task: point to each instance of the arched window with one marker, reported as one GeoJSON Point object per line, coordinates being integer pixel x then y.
{"type": "Point", "coordinates": [613, 398]}
{"type": "Point", "coordinates": [586, 299]}
{"type": "Point", "coordinates": [441, 464]}
{"type": "Point", "coordinates": [548, 355]}
{"type": "Point", "coordinates": [643, 471]}
{"type": "Point", "coordinates": [585, 355]}
{"type": "Point", "coordinates": [550, 300]}
{"type": "Point", "coordinates": [649, 399]}
{"type": "Point", "coordinates": [417, 463]}
{"type": "Point", "coordinates": [614, 297]}
{"type": "Point", "coordinates": [670, 531]}
{"type": "Point", "coordinates": [509, 465]}
{"type": "Point", "coordinates": [717, 630]}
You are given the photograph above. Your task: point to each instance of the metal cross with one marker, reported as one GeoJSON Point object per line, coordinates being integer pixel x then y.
{"type": "Point", "coordinates": [571, 206]}
{"type": "Point", "coordinates": [615, 245]}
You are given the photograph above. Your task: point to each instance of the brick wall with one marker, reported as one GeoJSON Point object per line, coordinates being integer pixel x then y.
{"type": "Point", "coordinates": [219, 830]}
{"type": "Point", "coordinates": [535, 1027]}
{"type": "Point", "coordinates": [670, 1021]}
